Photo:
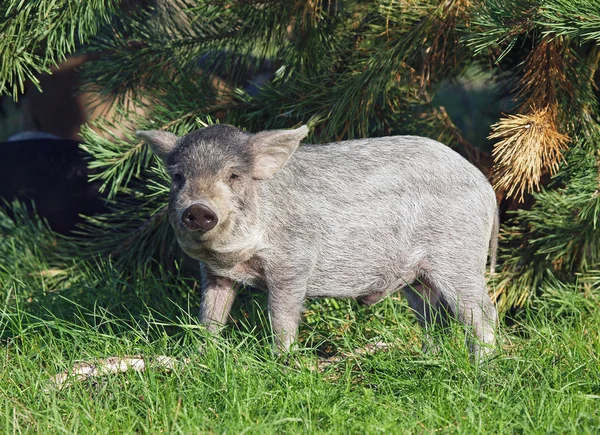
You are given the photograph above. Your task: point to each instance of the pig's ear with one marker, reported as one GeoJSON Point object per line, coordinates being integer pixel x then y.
{"type": "Point", "coordinates": [161, 142]}
{"type": "Point", "coordinates": [272, 150]}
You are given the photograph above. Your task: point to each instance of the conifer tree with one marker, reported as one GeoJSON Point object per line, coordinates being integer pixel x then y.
{"type": "Point", "coordinates": [348, 69]}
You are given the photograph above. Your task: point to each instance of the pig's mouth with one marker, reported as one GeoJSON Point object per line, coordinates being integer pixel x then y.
{"type": "Point", "coordinates": [195, 252]}
{"type": "Point", "coordinates": [194, 242]}
{"type": "Point", "coordinates": [191, 240]}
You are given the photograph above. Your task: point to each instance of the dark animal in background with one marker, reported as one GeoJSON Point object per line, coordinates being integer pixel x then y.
{"type": "Point", "coordinates": [53, 174]}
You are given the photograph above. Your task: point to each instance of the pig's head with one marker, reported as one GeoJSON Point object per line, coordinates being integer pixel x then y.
{"type": "Point", "coordinates": [215, 175]}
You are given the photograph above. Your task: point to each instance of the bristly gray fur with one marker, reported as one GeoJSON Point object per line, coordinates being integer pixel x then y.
{"type": "Point", "coordinates": [355, 219]}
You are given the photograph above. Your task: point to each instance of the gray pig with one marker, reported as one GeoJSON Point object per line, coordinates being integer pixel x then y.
{"type": "Point", "coordinates": [355, 219]}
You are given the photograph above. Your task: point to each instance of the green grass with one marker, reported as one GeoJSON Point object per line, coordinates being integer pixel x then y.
{"type": "Point", "coordinates": [546, 377]}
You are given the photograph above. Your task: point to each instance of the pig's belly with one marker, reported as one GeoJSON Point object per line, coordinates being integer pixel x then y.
{"type": "Point", "coordinates": [352, 281]}
{"type": "Point", "coordinates": [358, 261]}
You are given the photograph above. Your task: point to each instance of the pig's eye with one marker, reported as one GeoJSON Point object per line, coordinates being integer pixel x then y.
{"type": "Point", "coordinates": [177, 179]}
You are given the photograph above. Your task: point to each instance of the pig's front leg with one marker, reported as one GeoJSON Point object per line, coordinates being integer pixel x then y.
{"type": "Point", "coordinates": [285, 310]}
{"type": "Point", "coordinates": [218, 294]}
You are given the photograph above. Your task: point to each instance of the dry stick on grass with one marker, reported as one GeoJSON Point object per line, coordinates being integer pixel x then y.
{"type": "Point", "coordinates": [85, 370]}
{"type": "Point", "coordinates": [89, 370]}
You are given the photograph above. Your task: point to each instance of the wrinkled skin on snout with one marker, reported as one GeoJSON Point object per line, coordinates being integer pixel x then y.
{"type": "Point", "coordinates": [357, 219]}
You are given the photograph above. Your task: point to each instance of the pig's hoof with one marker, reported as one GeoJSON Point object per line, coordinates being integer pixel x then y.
{"type": "Point", "coordinates": [481, 353]}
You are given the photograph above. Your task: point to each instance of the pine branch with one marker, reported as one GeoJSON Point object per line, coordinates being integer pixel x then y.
{"type": "Point", "coordinates": [349, 69]}
{"type": "Point", "coordinates": [500, 24]}
{"type": "Point", "coordinates": [571, 18]}
{"type": "Point", "coordinates": [530, 145]}
{"type": "Point", "coordinates": [37, 34]}
{"type": "Point", "coordinates": [558, 237]}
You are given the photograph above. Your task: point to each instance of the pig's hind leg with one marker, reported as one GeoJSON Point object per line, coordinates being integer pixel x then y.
{"type": "Point", "coordinates": [476, 309]}
{"type": "Point", "coordinates": [430, 309]}
{"type": "Point", "coordinates": [466, 297]}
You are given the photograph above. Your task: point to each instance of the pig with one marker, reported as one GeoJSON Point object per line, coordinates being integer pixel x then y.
{"type": "Point", "coordinates": [353, 219]}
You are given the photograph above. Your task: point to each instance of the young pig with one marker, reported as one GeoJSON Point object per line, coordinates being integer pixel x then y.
{"type": "Point", "coordinates": [355, 219]}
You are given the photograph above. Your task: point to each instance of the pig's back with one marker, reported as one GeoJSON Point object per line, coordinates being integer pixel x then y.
{"type": "Point", "coordinates": [375, 205]}
{"type": "Point", "coordinates": [352, 168]}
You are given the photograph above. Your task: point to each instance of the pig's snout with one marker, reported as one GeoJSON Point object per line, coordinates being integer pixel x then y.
{"type": "Point", "coordinates": [198, 217]}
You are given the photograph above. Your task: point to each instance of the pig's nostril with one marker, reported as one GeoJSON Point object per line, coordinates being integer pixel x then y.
{"type": "Point", "coordinates": [199, 217]}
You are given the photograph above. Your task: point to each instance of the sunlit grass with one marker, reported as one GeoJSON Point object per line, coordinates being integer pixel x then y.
{"type": "Point", "coordinates": [544, 378]}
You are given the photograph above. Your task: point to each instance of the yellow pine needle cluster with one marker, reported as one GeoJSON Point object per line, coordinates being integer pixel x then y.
{"type": "Point", "coordinates": [529, 146]}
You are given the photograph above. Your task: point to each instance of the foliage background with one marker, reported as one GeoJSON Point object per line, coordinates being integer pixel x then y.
{"type": "Point", "coordinates": [348, 69]}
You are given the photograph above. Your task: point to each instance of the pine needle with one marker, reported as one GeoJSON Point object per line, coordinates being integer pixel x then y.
{"type": "Point", "coordinates": [547, 74]}
{"type": "Point", "coordinates": [530, 146]}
